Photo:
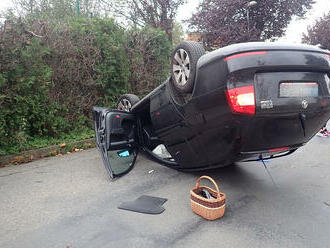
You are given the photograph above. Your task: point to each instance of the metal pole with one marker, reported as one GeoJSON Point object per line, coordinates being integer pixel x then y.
{"type": "Point", "coordinates": [78, 8]}
{"type": "Point", "coordinates": [248, 21]}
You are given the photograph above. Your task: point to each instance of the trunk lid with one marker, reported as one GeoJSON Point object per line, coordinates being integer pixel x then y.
{"type": "Point", "coordinates": [287, 116]}
{"type": "Point", "coordinates": [291, 92]}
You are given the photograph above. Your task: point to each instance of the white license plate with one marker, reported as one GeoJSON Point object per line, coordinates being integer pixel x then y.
{"type": "Point", "coordinates": [299, 89]}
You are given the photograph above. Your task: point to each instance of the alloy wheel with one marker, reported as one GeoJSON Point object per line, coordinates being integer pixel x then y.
{"type": "Point", "coordinates": [181, 67]}
{"type": "Point", "coordinates": [124, 105]}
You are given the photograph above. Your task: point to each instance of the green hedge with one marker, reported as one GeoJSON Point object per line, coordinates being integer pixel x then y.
{"type": "Point", "coordinates": [50, 81]}
{"type": "Point", "coordinates": [148, 51]}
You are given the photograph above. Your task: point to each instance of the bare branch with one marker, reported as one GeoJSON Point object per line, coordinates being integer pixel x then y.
{"type": "Point", "coordinates": [33, 34]}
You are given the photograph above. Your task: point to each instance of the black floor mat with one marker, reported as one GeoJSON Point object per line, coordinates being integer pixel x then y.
{"type": "Point", "coordinates": [145, 204]}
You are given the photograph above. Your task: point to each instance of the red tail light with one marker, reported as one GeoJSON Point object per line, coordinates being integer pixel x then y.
{"type": "Point", "coordinates": [241, 100]}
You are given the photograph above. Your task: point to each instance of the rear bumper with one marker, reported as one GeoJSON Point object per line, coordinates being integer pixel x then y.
{"type": "Point", "coordinates": [217, 66]}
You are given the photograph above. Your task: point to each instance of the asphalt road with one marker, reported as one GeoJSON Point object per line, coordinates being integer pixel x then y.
{"type": "Point", "coordinates": [68, 201]}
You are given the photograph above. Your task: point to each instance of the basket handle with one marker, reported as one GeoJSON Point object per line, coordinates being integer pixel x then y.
{"type": "Point", "coordinates": [210, 179]}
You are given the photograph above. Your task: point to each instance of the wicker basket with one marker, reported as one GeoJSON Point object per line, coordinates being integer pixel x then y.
{"type": "Point", "coordinates": [209, 209]}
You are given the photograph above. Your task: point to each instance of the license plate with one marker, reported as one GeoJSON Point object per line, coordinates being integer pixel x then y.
{"type": "Point", "coordinates": [299, 89]}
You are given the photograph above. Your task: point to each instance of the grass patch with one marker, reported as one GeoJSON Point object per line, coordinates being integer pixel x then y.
{"type": "Point", "coordinates": [31, 143]}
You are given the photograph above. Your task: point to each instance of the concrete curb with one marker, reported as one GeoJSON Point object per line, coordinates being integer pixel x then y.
{"type": "Point", "coordinates": [30, 155]}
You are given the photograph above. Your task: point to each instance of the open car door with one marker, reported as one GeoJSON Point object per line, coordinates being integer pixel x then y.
{"type": "Point", "coordinates": [116, 138]}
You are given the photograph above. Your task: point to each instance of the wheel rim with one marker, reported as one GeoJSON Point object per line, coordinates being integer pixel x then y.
{"type": "Point", "coordinates": [181, 67]}
{"type": "Point", "coordinates": [124, 105]}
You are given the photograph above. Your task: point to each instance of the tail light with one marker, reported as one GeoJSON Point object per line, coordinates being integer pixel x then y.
{"type": "Point", "coordinates": [241, 100]}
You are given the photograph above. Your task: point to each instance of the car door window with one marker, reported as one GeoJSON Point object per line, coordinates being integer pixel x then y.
{"type": "Point", "coordinates": [121, 160]}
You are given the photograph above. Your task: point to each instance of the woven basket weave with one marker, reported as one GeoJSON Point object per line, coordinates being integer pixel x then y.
{"type": "Point", "coordinates": [209, 209]}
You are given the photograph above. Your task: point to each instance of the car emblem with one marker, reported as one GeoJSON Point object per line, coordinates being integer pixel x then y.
{"type": "Point", "coordinates": [267, 104]}
{"type": "Point", "coordinates": [304, 104]}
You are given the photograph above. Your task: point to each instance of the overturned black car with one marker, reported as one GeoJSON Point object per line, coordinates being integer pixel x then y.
{"type": "Point", "coordinates": [242, 102]}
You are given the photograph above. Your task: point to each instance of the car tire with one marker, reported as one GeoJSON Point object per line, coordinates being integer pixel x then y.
{"type": "Point", "coordinates": [126, 102]}
{"type": "Point", "coordinates": [184, 63]}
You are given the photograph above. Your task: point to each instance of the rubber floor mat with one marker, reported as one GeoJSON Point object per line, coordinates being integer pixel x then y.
{"type": "Point", "coordinates": [145, 204]}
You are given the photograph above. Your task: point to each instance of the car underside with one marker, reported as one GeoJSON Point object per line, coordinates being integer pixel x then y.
{"type": "Point", "coordinates": [243, 102]}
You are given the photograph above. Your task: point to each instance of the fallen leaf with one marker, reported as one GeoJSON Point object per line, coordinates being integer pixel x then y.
{"type": "Point", "coordinates": [19, 158]}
